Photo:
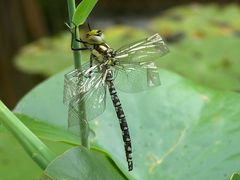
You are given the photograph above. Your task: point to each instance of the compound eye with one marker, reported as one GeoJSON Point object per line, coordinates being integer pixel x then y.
{"type": "Point", "coordinates": [99, 32]}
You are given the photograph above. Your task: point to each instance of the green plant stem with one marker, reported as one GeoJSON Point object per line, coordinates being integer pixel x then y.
{"type": "Point", "coordinates": [37, 150]}
{"type": "Point", "coordinates": [76, 54]}
{"type": "Point", "coordinates": [84, 127]}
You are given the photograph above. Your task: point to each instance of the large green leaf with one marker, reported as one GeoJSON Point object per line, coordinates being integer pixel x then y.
{"type": "Point", "coordinates": [179, 130]}
{"type": "Point", "coordinates": [14, 158]}
{"type": "Point", "coordinates": [92, 164]}
{"type": "Point", "coordinates": [80, 163]}
{"type": "Point", "coordinates": [46, 56]}
{"type": "Point", "coordinates": [14, 161]}
{"type": "Point", "coordinates": [48, 131]}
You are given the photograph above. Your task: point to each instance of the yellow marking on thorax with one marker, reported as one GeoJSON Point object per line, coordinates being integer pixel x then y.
{"type": "Point", "coordinates": [99, 51]}
{"type": "Point", "coordinates": [104, 48]}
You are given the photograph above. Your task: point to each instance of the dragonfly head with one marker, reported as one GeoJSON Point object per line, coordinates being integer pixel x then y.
{"type": "Point", "coordinates": [95, 37]}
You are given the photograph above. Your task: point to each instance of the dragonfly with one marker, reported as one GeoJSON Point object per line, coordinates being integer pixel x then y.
{"type": "Point", "coordinates": [131, 68]}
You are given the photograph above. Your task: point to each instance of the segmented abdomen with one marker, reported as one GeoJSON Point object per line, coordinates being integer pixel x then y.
{"type": "Point", "coordinates": [122, 120]}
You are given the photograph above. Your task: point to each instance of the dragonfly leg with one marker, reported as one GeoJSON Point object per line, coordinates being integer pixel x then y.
{"type": "Point", "coordinates": [78, 40]}
{"type": "Point", "coordinates": [90, 65]}
{"type": "Point", "coordinates": [74, 33]}
{"type": "Point", "coordinates": [80, 49]}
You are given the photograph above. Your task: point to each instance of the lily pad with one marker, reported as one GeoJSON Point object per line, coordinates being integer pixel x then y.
{"type": "Point", "coordinates": [14, 155]}
{"type": "Point", "coordinates": [46, 56]}
{"type": "Point", "coordinates": [179, 130]}
{"type": "Point", "coordinates": [80, 163]}
{"type": "Point", "coordinates": [199, 21]}
{"type": "Point", "coordinates": [213, 62]}
{"type": "Point", "coordinates": [204, 43]}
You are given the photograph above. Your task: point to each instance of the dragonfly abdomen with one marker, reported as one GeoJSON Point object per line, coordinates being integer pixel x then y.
{"type": "Point", "coordinates": [122, 120]}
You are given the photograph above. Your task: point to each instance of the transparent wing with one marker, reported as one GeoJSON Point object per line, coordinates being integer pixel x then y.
{"type": "Point", "coordinates": [76, 81]}
{"type": "Point", "coordinates": [148, 49]}
{"type": "Point", "coordinates": [85, 93]}
{"type": "Point", "coordinates": [89, 104]}
{"type": "Point", "coordinates": [136, 77]}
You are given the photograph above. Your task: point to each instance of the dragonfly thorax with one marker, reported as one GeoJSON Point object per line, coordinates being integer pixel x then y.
{"type": "Point", "coordinates": [100, 50]}
{"type": "Point", "coordinates": [103, 53]}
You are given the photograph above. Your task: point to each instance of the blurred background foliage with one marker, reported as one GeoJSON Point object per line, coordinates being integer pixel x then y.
{"type": "Point", "coordinates": [204, 42]}
{"type": "Point", "coordinates": [194, 26]}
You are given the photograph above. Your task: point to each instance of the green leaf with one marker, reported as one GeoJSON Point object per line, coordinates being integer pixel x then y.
{"type": "Point", "coordinates": [199, 21]}
{"type": "Point", "coordinates": [83, 10]}
{"type": "Point", "coordinates": [84, 164]}
{"type": "Point", "coordinates": [179, 130]}
{"type": "Point", "coordinates": [208, 50]}
{"type": "Point", "coordinates": [206, 61]}
{"type": "Point", "coordinates": [35, 148]}
{"type": "Point", "coordinates": [15, 159]}
{"type": "Point", "coordinates": [48, 131]}
{"type": "Point", "coordinates": [13, 155]}
{"type": "Point", "coordinates": [46, 56]}
{"type": "Point", "coordinates": [235, 176]}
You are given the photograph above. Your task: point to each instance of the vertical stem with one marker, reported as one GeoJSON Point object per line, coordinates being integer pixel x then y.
{"type": "Point", "coordinates": [84, 127]}
{"type": "Point", "coordinates": [76, 54]}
